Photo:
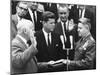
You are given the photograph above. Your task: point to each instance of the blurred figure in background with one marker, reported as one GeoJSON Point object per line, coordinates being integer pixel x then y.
{"type": "Point", "coordinates": [35, 14]}
{"type": "Point", "coordinates": [21, 11]}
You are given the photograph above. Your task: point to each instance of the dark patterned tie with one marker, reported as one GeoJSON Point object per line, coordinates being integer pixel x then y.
{"type": "Point", "coordinates": [34, 18]}
{"type": "Point", "coordinates": [48, 40]}
{"type": "Point", "coordinates": [64, 31]}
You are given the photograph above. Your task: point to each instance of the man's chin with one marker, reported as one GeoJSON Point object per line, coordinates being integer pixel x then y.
{"type": "Point", "coordinates": [51, 30]}
{"type": "Point", "coordinates": [79, 35]}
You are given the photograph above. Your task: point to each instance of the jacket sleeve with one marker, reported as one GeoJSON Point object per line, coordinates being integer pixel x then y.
{"type": "Point", "coordinates": [88, 60]}
{"type": "Point", "coordinates": [20, 57]}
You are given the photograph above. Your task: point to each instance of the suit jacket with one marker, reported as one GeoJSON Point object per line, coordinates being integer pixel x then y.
{"type": "Point", "coordinates": [85, 54]}
{"type": "Point", "coordinates": [38, 23]}
{"type": "Point", "coordinates": [14, 22]}
{"type": "Point", "coordinates": [22, 57]}
{"type": "Point", "coordinates": [53, 52]}
{"type": "Point", "coordinates": [46, 53]}
{"type": "Point", "coordinates": [74, 13]}
{"type": "Point", "coordinates": [58, 29]}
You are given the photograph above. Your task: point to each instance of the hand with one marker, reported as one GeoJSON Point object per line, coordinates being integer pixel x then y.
{"type": "Point", "coordinates": [51, 62]}
{"type": "Point", "coordinates": [71, 25]}
{"type": "Point", "coordinates": [33, 38]}
{"type": "Point", "coordinates": [68, 62]}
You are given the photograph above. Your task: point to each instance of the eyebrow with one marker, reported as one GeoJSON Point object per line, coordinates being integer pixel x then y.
{"type": "Point", "coordinates": [22, 8]}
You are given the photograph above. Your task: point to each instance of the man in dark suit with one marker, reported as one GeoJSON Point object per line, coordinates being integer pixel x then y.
{"type": "Point", "coordinates": [49, 44]}
{"type": "Point", "coordinates": [66, 27]}
{"type": "Point", "coordinates": [23, 58]}
{"type": "Point", "coordinates": [85, 50]}
{"type": "Point", "coordinates": [21, 11]}
{"type": "Point", "coordinates": [35, 15]}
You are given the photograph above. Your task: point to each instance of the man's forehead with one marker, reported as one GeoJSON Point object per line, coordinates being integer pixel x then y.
{"type": "Point", "coordinates": [80, 25]}
{"type": "Point", "coordinates": [24, 5]}
{"type": "Point", "coordinates": [63, 9]}
{"type": "Point", "coordinates": [51, 19]}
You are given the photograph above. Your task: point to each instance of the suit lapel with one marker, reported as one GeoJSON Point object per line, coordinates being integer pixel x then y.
{"type": "Point", "coordinates": [60, 28]}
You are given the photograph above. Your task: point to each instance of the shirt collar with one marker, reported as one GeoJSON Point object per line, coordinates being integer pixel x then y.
{"type": "Point", "coordinates": [63, 22]}
{"type": "Point", "coordinates": [45, 33]}
{"type": "Point", "coordinates": [23, 39]}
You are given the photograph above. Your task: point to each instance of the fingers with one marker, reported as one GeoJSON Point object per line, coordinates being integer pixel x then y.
{"type": "Point", "coordinates": [51, 62]}
{"type": "Point", "coordinates": [33, 38]}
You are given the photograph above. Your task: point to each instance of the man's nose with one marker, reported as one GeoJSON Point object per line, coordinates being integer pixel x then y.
{"type": "Point", "coordinates": [63, 15]}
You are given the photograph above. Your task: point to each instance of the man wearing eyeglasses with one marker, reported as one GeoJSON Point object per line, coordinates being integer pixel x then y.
{"type": "Point", "coordinates": [21, 11]}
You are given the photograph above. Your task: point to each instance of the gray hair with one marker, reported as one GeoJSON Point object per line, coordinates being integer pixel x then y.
{"type": "Point", "coordinates": [86, 22]}
{"type": "Point", "coordinates": [24, 24]}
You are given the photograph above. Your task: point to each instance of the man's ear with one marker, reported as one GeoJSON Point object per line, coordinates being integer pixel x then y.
{"type": "Point", "coordinates": [16, 8]}
{"type": "Point", "coordinates": [25, 31]}
{"type": "Point", "coordinates": [87, 27]}
{"type": "Point", "coordinates": [43, 22]}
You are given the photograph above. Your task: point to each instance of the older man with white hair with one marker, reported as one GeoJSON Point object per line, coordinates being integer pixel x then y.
{"type": "Point", "coordinates": [23, 56]}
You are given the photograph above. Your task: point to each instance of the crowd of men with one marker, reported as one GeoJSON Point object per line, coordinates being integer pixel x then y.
{"type": "Point", "coordinates": [51, 37]}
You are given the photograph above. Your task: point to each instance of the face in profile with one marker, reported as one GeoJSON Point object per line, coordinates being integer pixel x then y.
{"type": "Point", "coordinates": [63, 14]}
{"type": "Point", "coordinates": [81, 29]}
{"type": "Point", "coordinates": [50, 25]}
{"type": "Point", "coordinates": [22, 9]}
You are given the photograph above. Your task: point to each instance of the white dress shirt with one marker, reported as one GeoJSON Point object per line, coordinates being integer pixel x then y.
{"type": "Point", "coordinates": [82, 13]}
{"type": "Point", "coordinates": [46, 36]}
{"type": "Point", "coordinates": [31, 14]}
{"type": "Point", "coordinates": [62, 24]}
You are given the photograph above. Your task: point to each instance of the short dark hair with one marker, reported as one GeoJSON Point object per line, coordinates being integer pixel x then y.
{"type": "Point", "coordinates": [85, 21]}
{"type": "Point", "coordinates": [46, 15]}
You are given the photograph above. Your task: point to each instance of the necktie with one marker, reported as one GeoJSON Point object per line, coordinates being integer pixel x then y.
{"type": "Point", "coordinates": [64, 32]}
{"type": "Point", "coordinates": [29, 42]}
{"type": "Point", "coordinates": [64, 26]}
{"type": "Point", "coordinates": [34, 18]}
{"type": "Point", "coordinates": [48, 40]}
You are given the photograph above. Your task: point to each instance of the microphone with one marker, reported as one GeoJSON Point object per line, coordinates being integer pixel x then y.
{"type": "Point", "coordinates": [71, 41]}
{"type": "Point", "coordinates": [62, 40]}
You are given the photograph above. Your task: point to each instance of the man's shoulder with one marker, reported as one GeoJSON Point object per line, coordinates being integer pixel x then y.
{"type": "Point", "coordinates": [13, 16]}
{"type": "Point", "coordinates": [58, 23]}
{"type": "Point", "coordinates": [91, 39]}
{"type": "Point", "coordinates": [89, 42]}
{"type": "Point", "coordinates": [16, 41]}
{"type": "Point", "coordinates": [56, 35]}
{"type": "Point", "coordinates": [38, 33]}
